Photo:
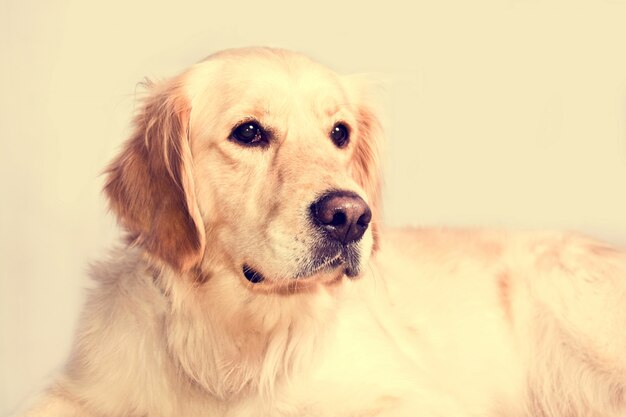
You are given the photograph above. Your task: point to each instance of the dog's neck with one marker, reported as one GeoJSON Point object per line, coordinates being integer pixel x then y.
{"type": "Point", "coordinates": [248, 341]}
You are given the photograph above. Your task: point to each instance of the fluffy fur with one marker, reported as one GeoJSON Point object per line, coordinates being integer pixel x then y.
{"type": "Point", "coordinates": [438, 322]}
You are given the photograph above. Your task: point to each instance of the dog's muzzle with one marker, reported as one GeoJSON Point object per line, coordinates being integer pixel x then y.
{"type": "Point", "coordinates": [341, 219]}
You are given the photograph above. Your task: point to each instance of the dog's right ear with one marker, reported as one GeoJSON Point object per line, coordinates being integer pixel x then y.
{"type": "Point", "coordinates": [150, 184]}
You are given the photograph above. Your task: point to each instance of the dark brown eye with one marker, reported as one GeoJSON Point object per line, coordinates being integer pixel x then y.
{"type": "Point", "coordinates": [249, 134]}
{"type": "Point", "coordinates": [340, 135]}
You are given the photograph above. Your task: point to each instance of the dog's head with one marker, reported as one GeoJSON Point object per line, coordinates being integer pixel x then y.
{"type": "Point", "coordinates": [257, 161]}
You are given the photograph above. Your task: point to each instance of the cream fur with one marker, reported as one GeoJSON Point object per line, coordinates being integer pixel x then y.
{"type": "Point", "coordinates": [439, 323]}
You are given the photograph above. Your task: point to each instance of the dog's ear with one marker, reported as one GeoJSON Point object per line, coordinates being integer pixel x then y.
{"type": "Point", "coordinates": [367, 157]}
{"type": "Point", "coordinates": [150, 184]}
{"type": "Point", "coordinates": [367, 166]}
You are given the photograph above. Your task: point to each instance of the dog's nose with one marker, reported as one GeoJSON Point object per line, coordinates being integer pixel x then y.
{"type": "Point", "coordinates": [343, 215]}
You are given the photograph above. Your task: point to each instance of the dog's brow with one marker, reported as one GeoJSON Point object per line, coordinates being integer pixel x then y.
{"type": "Point", "coordinates": [333, 110]}
{"type": "Point", "coordinates": [257, 112]}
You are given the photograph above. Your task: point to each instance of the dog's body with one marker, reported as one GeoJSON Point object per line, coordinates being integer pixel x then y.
{"type": "Point", "coordinates": [242, 296]}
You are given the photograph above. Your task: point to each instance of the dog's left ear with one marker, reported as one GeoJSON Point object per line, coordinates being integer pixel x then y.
{"type": "Point", "coordinates": [367, 157]}
{"type": "Point", "coordinates": [150, 184]}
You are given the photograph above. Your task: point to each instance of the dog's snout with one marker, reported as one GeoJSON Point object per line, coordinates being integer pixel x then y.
{"type": "Point", "coordinates": [343, 215]}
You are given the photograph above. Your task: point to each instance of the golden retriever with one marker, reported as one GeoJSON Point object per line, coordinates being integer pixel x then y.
{"type": "Point", "coordinates": [259, 281]}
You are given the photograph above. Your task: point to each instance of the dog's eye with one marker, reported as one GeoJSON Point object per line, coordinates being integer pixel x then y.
{"type": "Point", "coordinates": [340, 135]}
{"type": "Point", "coordinates": [249, 133]}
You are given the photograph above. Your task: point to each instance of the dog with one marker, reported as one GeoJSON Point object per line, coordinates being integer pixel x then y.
{"type": "Point", "coordinates": [258, 279]}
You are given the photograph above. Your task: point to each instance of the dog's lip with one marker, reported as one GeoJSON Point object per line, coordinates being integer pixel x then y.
{"type": "Point", "coordinates": [342, 256]}
{"type": "Point", "coordinates": [328, 265]}
{"type": "Point", "coordinates": [253, 275]}
{"type": "Point", "coordinates": [351, 272]}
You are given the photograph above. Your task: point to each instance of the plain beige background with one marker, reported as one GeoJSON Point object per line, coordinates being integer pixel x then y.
{"type": "Point", "coordinates": [506, 113]}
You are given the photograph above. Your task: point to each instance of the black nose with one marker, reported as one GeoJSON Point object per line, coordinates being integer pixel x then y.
{"type": "Point", "coordinates": [343, 215]}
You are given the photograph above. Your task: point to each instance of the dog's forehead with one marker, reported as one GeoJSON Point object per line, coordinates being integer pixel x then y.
{"type": "Point", "coordinates": [269, 80]}
{"type": "Point", "coordinates": [299, 86]}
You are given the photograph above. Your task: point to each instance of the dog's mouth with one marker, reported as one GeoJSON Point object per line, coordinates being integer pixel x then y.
{"type": "Point", "coordinates": [330, 257]}
{"type": "Point", "coordinates": [324, 260]}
